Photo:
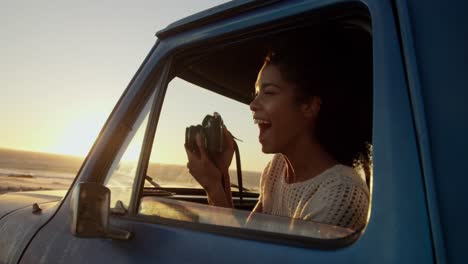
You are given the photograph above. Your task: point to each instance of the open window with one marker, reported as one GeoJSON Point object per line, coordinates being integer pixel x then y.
{"type": "Point", "coordinates": [185, 104]}
{"type": "Point", "coordinates": [219, 76]}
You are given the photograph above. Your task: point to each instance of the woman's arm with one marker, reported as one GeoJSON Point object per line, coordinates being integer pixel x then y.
{"type": "Point", "coordinates": [219, 196]}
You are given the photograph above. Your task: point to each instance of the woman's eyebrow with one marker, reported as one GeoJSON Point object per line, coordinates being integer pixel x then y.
{"type": "Point", "coordinates": [265, 84]}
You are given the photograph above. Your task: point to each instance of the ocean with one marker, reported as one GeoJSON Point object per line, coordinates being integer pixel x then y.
{"type": "Point", "coordinates": [25, 171]}
{"type": "Point", "coordinates": [24, 163]}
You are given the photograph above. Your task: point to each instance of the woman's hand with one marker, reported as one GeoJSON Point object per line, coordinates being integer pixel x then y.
{"type": "Point", "coordinates": [223, 161]}
{"type": "Point", "coordinates": [202, 168]}
{"type": "Point", "coordinates": [209, 175]}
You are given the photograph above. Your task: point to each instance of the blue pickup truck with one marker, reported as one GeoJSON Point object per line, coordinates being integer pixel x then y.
{"type": "Point", "coordinates": [133, 200]}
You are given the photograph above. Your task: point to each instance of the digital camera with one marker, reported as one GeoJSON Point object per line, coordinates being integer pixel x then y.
{"type": "Point", "coordinates": [211, 131]}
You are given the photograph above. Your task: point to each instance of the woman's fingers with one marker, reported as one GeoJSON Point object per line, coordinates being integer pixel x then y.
{"type": "Point", "coordinates": [201, 146]}
{"type": "Point", "coordinates": [191, 155]}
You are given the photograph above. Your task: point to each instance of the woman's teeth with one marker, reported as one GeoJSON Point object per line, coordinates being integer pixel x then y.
{"type": "Point", "coordinates": [263, 122]}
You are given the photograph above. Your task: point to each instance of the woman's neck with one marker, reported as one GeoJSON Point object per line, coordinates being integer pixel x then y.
{"type": "Point", "coordinates": [306, 159]}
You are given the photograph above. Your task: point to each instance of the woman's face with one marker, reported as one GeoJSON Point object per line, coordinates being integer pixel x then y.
{"type": "Point", "coordinates": [280, 118]}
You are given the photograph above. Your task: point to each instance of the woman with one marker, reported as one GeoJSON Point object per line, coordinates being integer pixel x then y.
{"type": "Point", "coordinates": [305, 114]}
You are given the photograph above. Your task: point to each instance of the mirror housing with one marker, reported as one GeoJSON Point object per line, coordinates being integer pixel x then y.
{"type": "Point", "coordinates": [90, 206]}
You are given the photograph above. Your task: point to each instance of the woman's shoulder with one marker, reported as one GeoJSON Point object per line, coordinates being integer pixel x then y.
{"type": "Point", "coordinates": [340, 175]}
{"type": "Point", "coordinates": [276, 165]}
{"type": "Point", "coordinates": [278, 159]}
{"type": "Point", "coordinates": [273, 170]}
{"type": "Point", "coordinates": [342, 199]}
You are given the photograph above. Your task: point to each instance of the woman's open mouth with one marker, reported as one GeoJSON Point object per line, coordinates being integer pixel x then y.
{"type": "Point", "coordinates": [264, 127]}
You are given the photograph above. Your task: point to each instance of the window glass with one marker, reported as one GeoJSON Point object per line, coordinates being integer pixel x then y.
{"type": "Point", "coordinates": [121, 176]}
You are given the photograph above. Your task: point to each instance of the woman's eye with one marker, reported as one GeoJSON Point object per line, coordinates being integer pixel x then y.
{"type": "Point", "coordinates": [262, 93]}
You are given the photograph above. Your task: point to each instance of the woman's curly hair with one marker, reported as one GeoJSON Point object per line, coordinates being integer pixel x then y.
{"type": "Point", "coordinates": [335, 64]}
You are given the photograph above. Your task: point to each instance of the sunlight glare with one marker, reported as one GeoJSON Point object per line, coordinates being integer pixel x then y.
{"type": "Point", "coordinates": [79, 135]}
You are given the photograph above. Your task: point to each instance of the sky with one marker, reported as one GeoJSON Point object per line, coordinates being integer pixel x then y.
{"type": "Point", "coordinates": [64, 64]}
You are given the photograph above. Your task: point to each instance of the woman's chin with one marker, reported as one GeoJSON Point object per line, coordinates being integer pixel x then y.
{"type": "Point", "coordinates": [267, 149]}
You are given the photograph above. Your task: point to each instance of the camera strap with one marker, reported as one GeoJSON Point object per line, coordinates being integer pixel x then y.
{"type": "Point", "coordinates": [239, 173]}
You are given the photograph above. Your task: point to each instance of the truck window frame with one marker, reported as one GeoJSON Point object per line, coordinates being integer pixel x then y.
{"type": "Point", "coordinates": [174, 57]}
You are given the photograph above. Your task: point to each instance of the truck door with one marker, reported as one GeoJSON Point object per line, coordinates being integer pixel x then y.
{"type": "Point", "coordinates": [181, 80]}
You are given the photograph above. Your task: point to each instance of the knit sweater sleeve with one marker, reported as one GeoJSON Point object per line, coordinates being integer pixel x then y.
{"type": "Point", "coordinates": [268, 182]}
{"type": "Point", "coordinates": [339, 201]}
{"type": "Point", "coordinates": [263, 179]}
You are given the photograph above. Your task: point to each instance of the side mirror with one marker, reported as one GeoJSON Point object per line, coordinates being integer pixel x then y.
{"type": "Point", "coordinates": [90, 206]}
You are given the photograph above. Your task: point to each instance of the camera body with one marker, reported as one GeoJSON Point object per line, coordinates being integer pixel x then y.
{"type": "Point", "coordinates": [211, 131]}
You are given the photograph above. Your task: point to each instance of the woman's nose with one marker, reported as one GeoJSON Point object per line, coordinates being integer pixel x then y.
{"type": "Point", "coordinates": [254, 104]}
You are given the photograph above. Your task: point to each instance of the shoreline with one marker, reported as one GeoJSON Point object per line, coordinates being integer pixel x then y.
{"type": "Point", "coordinates": [20, 184]}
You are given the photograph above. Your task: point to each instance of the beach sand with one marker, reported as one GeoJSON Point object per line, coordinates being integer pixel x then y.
{"type": "Point", "coordinates": [30, 183]}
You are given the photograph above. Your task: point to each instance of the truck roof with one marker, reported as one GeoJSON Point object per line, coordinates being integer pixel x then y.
{"type": "Point", "coordinates": [211, 15]}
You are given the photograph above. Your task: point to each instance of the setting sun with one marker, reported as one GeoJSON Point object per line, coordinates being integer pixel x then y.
{"type": "Point", "coordinates": [78, 135]}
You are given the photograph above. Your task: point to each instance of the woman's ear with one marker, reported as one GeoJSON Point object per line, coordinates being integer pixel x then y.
{"type": "Point", "coordinates": [311, 107]}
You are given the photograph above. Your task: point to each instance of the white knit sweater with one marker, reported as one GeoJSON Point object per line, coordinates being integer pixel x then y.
{"type": "Point", "coordinates": [337, 196]}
